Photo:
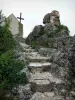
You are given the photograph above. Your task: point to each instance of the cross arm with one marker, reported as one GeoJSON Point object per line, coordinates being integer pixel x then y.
{"type": "Point", "coordinates": [20, 18]}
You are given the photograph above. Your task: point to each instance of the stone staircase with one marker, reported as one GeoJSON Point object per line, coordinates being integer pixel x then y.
{"type": "Point", "coordinates": [43, 83]}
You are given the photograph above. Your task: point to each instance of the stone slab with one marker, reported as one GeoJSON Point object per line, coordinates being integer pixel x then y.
{"type": "Point", "coordinates": [39, 66]}
{"type": "Point", "coordinates": [38, 59]}
{"type": "Point", "coordinates": [43, 76]}
{"type": "Point", "coordinates": [43, 82]}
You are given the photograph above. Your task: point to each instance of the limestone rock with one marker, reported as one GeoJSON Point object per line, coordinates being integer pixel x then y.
{"type": "Point", "coordinates": [38, 58]}
{"type": "Point", "coordinates": [46, 18]}
{"type": "Point", "coordinates": [43, 82]}
{"type": "Point", "coordinates": [37, 31]}
{"type": "Point", "coordinates": [56, 13]}
{"type": "Point", "coordinates": [39, 66]}
{"type": "Point", "coordinates": [46, 51]}
{"type": "Point", "coordinates": [46, 96]}
{"type": "Point", "coordinates": [52, 17]}
{"type": "Point", "coordinates": [49, 28]}
{"type": "Point", "coordinates": [48, 35]}
{"type": "Point", "coordinates": [23, 92]}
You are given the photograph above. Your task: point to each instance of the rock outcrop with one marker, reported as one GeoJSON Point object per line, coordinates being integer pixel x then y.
{"type": "Point", "coordinates": [52, 17]}
{"type": "Point", "coordinates": [48, 34]}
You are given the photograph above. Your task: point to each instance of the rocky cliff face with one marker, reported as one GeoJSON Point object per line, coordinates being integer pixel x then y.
{"type": "Point", "coordinates": [49, 34]}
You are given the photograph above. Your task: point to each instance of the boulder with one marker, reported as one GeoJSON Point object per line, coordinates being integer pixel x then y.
{"type": "Point", "coordinates": [46, 18]}
{"type": "Point", "coordinates": [52, 17]}
{"type": "Point", "coordinates": [56, 13]}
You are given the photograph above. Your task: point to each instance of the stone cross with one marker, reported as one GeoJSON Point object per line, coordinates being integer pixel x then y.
{"type": "Point", "coordinates": [20, 17]}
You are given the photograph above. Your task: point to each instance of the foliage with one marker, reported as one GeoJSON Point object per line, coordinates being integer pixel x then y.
{"type": "Point", "coordinates": [9, 65]}
{"type": "Point", "coordinates": [7, 23]}
{"type": "Point", "coordinates": [62, 27]}
{"type": "Point", "coordinates": [43, 43]}
{"type": "Point", "coordinates": [2, 17]}
{"type": "Point", "coordinates": [58, 32]}
{"type": "Point", "coordinates": [2, 97]}
{"type": "Point", "coordinates": [9, 70]}
{"type": "Point", "coordinates": [33, 44]}
{"type": "Point", "coordinates": [20, 29]}
{"type": "Point", "coordinates": [6, 40]}
{"type": "Point", "coordinates": [49, 41]}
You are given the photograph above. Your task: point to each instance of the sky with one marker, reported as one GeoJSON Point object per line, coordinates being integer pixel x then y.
{"type": "Point", "coordinates": [33, 12]}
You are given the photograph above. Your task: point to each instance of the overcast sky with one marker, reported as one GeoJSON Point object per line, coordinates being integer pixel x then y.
{"type": "Point", "coordinates": [33, 12]}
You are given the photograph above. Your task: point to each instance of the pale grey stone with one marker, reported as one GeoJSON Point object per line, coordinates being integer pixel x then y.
{"type": "Point", "coordinates": [39, 66]}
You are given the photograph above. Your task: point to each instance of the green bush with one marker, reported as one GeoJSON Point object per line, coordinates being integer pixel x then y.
{"type": "Point", "coordinates": [10, 71]}
{"type": "Point", "coordinates": [6, 40]}
{"type": "Point", "coordinates": [62, 27]}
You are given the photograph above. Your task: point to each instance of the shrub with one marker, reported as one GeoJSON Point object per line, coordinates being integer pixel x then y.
{"type": "Point", "coordinates": [6, 40]}
{"type": "Point", "coordinates": [10, 71]}
{"type": "Point", "coordinates": [62, 27]}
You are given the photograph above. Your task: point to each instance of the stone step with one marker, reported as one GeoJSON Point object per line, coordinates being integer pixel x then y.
{"type": "Point", "coordinates": [41, 86]}
{"type": "Point", "coordinates": [46, 96]}
{"type": "Point", "coordinates": [31, 53]}
{"type": "Point", "coordinates": [43, 76]}
{"type": "Point", "coordinates": [25, 45]}
{"type": "Point", "coordinates": [46, 51]}
{"type": "Point", "coordinates": [38, 59]}
{"type": "Point", "coordinates": [43, 82]}
{"type": "Point", "coordinates": [29, 50]}
{"type": "Point", "coordinates": [39, 66]}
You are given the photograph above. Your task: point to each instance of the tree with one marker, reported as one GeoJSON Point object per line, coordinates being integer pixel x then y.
{"type": "Point", "coordinates": [6, 40]}
{"type": "Point", "coordinates": [2, 17]}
